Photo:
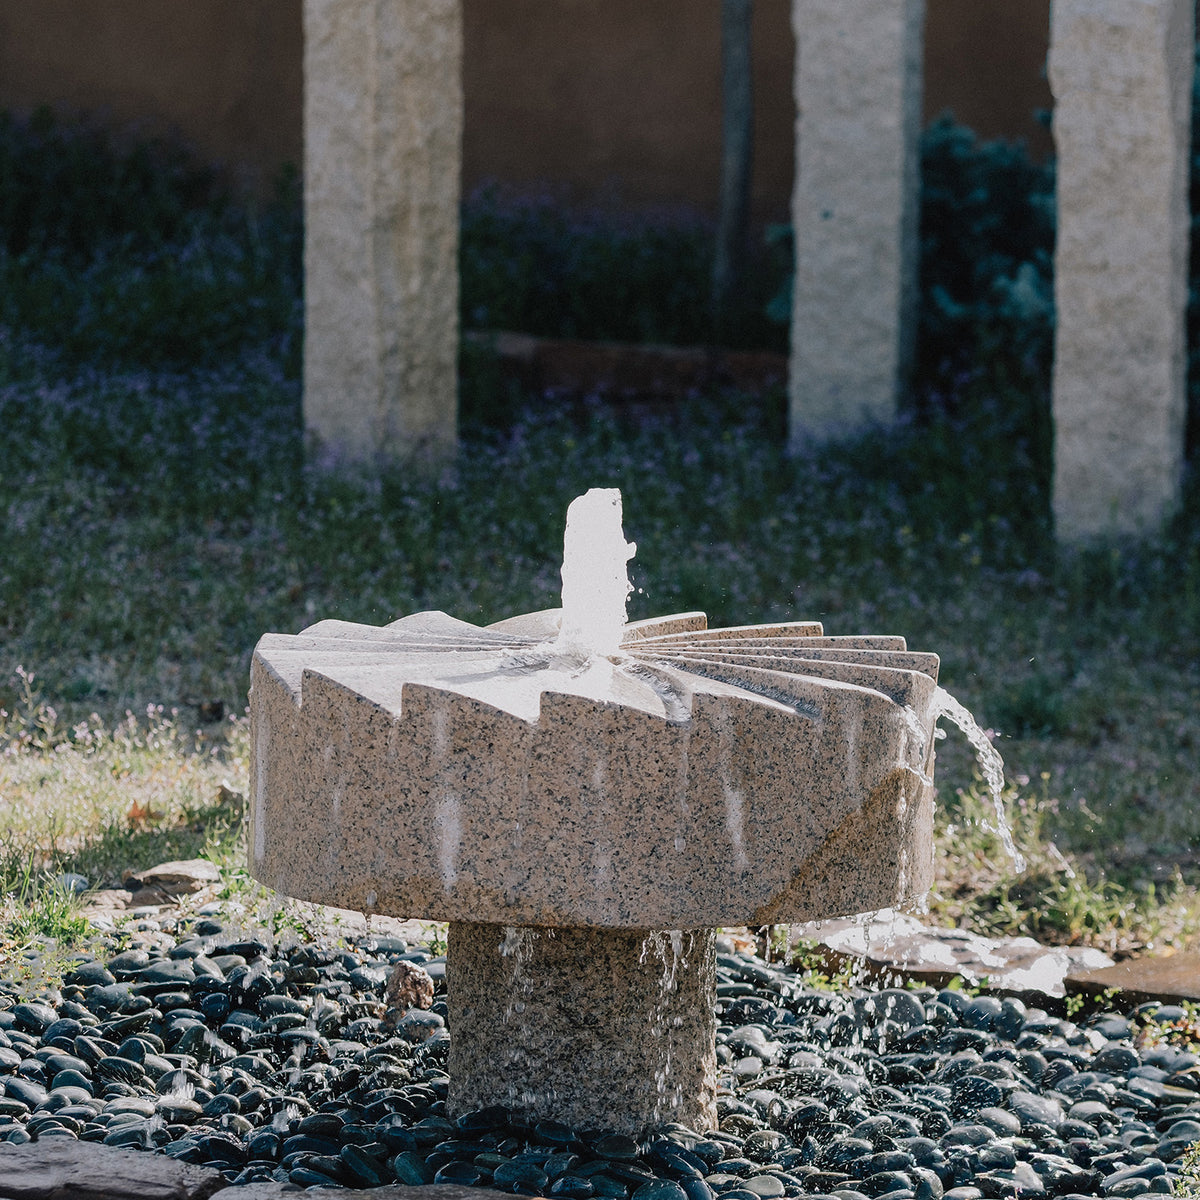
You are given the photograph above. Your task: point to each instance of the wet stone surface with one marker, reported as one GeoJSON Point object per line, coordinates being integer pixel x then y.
{"type": "Point", "coordinates": [268, 1065]}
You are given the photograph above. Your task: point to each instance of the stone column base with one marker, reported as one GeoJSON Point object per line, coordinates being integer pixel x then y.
{"type": "Point", "coordinates": [598, 1028]}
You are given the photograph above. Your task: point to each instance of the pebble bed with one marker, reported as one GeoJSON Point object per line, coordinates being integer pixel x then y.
{"type": "Point", "coordinates": [286, 1066]}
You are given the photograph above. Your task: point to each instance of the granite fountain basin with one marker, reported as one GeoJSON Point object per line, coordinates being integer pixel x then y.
{"type": "Point", "coordinates": [585, 819]}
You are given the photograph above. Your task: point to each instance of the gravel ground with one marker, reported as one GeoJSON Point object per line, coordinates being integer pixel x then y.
{"type": "Point", "coordinates": [289, 1065]}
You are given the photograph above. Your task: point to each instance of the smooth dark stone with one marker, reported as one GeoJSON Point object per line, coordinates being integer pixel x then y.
{"type": "Point", "coordinates": [617, 1146]}
{"type": "Point", "coordinates": [466, 1174]}
{"type": "Point", "coordinates": [75, 1080]}
{"type": "Point", "coordinates": [882, 1162]}
{"type": "Point", "coordinates": [892, 1004]}
{"type": "Point", "coordinates": [973, 1092]}
{"type": "Point", "coordinates": [33, 1016]}
{"type": "Point", "coordinates": [66, 1062]}
{"type": "Point", "coordinates": [322, 1124]}
{"type": "Point", "coordinates": [27, 1091]}
{"type": "Point", "coordinates": [660, 1189]}
{"type": "Point", "coordinates": [883, 1183]}
{"type": "Point", "coordinates": [1033, 1109]}
{"type": "Point", "coordinates": [266, 1144]}
{"type": "Point", "coordinates": [302, 1143]}
{"type": "Point", "coordinates": [953, 1041]}
{"type": "Point", "coordinates": [306, 1177]}
{"type": "Point", "coordinates": [123, 1070]}
{"type": "Point", "coordinates": [365, 1169]}
{"type": "Point", "coordinates": [64, 1027]}
{"type": "Point", "coordinates": [409, 1167]}
{"type": "Point", "coordinates": [117, 1029]}
{"type": "Point", "coordinates": [575, 1187]}
{"type": "Point", "coordinates": [1005, 1123]}
{"type": "Point", "coordinates": [968, 1135]}
{"type": "Point", "coordinates": [89, 974]}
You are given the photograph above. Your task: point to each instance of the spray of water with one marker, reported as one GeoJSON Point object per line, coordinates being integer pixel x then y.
{"type": "Point", "coordinates": [666, 945]}
{"type": "Point", "coordinates": [516, 947]}
{"type": "Point", "coordinates": [991, 765]}
{"type": "Point", "coordinates": [595, 579]}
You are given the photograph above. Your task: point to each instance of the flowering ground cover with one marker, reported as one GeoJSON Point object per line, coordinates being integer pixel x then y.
{"type": "Point", "coordinates": [155, 524]}
{"type": "Point", "coordinates": [157, 516]}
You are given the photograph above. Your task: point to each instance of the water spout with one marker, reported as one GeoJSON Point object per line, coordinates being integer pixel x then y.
{"type": "Point", "coordinates": [595, 579]}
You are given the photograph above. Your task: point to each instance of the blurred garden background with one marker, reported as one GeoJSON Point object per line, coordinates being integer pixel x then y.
{"type": "Point", "coordinates": [159, 515]}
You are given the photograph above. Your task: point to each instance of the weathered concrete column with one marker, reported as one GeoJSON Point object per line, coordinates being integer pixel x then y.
{"type": "Point", "coordinates": [854, 209]}
{"type": "Point", "coordinates": [382, 160]}
{"type": "Point", "coordinates": [1121, 73]}
{"type": "Point", "coordinates": [600, 1028]}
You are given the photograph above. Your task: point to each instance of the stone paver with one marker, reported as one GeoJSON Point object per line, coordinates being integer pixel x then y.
{"type": "Point", "coordinates": [900, 946]}
{"type": "Point", "coordinates": [1173, 977]}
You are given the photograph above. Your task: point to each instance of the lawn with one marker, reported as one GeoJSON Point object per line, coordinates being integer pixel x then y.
{"type": "Point", "coordinates": [158, 517]}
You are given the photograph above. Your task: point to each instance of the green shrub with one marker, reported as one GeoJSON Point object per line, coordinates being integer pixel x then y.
{"type": "Point", "coordinates": [986, 258]}
{"type": "Point", "coordinates": [534, 265]}
{"type": "Point", "coordinates": [136, 256]}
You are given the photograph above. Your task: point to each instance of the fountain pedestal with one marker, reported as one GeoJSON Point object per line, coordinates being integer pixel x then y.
{"type": "Point", "coordinates": [565, 1023]}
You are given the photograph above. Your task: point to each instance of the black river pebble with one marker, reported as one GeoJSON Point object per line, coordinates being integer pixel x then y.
{"type": "Point", "coordinates": [280, 1065]}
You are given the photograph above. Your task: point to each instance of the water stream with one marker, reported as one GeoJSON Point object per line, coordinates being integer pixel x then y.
{"type": "Point", "coordinates": [991, 765]}
{"type": "Point", "coordinates": [667, 945]}
{"type": "Point", "coordinates": [595, 579]}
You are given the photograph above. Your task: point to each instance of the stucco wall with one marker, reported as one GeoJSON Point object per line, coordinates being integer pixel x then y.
{"type": "Point", "coordinates": [609, 99]}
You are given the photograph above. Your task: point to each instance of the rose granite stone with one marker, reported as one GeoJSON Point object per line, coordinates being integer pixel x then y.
{"type": "Point", "coordinates": [432, 768]}
{"type": "Point", "coordinates": [1121, 73]}
{"type": "Point", "coordinates": [854, 210]}
{"type": "Point", "coordinates": [494, 779]}
{"type": "Point", "coordinates": [563, 1008]}
{"type": "Point", "coordinates": [383, 115]}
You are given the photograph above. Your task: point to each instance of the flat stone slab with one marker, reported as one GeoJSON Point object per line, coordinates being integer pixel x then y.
{"type": "Point", "coordinates": [433, 1191]}
{"type": "Point", "coordinates": [895, 944]}
{"type": "Point", "coordinates": [1139, 980]}
{"type": "Point", "coordinates": [58, 1169]}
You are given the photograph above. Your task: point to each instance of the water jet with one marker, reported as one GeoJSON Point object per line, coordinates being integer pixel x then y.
{"type": "Point", "coordinates": [585, 801]}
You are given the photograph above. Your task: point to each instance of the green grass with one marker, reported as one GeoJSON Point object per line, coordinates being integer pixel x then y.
{"type": "Point", "coordinates": [155, 525]}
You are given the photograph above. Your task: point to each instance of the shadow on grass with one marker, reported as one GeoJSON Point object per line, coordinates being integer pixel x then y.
{"type": "Point", "coordinates": [211, 831]}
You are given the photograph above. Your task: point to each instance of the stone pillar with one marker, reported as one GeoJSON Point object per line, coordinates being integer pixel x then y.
{"type": "Point", "coordinates": [599, 1028]}
{"type": "Point", "coordinates": [382, 160]}
{"type": "Point", "coordinates": [854, 210]}
{"type": "Point", "coordinates": [1121, 74]}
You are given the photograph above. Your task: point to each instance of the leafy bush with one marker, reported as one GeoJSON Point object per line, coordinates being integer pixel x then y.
{"type": "Point", "coordinates": [987, 252]}
{"type": "Point", "coordinates": [66, 189]}
{"type": "Point", "coordinates": [136, 255]}
{"type": "Point", "coordinates": [531, 264]}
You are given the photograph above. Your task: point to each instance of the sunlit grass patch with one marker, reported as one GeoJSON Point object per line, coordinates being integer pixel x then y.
{"type": "Point", "coordinates": [96, 800]}
{"type": "Point", "coordinates": [1060, 899]}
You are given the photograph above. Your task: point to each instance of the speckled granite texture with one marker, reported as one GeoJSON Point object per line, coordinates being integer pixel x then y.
{"type": "Point", "coordinates": [545, 1021]}
{"type": "Point", "coordinates": [383, 122]}
{"type": "Point", "coordinates": [430, 768]}
{"type": "Point", "coordinates": [1121, 73]}
{"type": "Point", "coordinates": [854, 210]}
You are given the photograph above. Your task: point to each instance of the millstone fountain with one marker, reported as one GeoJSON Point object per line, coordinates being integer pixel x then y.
{"type": "Point", "coordinates": [585, 801]}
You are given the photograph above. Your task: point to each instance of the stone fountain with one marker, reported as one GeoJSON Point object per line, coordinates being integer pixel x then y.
{"type": "Point", "coordinates": [585, 801]}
